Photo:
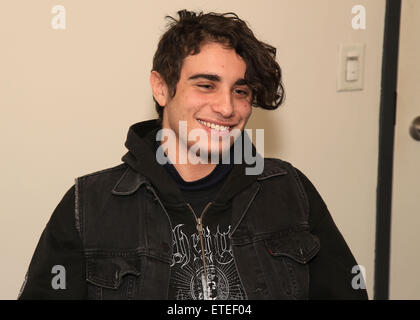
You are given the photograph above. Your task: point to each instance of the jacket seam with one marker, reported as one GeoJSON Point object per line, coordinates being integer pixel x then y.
{"type": "Point", "coordinates": [98, 254]}
{"type": "Point", "coordinates": [119, 181]}
{"type": "Point", "coordinates": [79, 203]}
{"type": "Point", "coordinates": [133, 187]}
{"type": "Point", "coordinates": [267, 235]}
{"type": "Point", "coordinates": [76, 206]}
{"type": "Point", "coordinates": [271, 172]}
{"type": "Point", "coordinates": [258, 187]}
{"type": "Point", "coordinates": [115, 168]}
{"type": "Point", "coordinates": [301, 192]}
{"type": "Point", "coordinates": [267, 288]}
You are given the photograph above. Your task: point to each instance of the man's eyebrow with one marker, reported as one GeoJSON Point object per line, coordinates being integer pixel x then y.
{"type": "Point", "coordinates": [241, 82]}
{"type": "Point", "coordinates": [214, 77]}
{"type": "Point", "coordinates": [211, 77]}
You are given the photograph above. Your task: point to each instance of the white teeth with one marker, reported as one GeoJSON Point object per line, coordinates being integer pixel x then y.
{"type": "Point", "coordinates": [213, 126]}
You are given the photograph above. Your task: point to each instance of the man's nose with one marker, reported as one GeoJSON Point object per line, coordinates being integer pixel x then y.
{"type": "Point", "coordinates": [224, 104]}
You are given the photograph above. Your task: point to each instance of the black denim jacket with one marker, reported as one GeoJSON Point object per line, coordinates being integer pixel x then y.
{"type": "Point", "coordinates": [284, 241]}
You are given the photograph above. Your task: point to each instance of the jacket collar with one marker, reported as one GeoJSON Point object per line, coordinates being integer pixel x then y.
{"type": "Point", "coordinates": [144, 169]}
{"type": "Point", "coordinates": [131, 180]}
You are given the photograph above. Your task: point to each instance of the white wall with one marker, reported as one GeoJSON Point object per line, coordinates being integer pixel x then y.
{"type": "Point", "coordinates": [67, 99]}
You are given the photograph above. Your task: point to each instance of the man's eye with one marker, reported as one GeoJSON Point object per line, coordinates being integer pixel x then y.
{"type": "Point", "coordinates": [205, 86]}
{"type": "Point", "coordinates": [241, 92]}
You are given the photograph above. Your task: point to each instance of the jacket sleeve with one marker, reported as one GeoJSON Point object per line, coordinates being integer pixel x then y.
{"type": "Point", "coordinates": [57, 268]}
{"type": "Point", "coordinates": [330, 271]}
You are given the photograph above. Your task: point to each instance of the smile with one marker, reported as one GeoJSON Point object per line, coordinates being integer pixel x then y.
{"type": "Point", "coordinates": [213, 125]}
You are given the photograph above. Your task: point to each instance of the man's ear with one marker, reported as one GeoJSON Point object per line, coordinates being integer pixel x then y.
{"type": "Point", "coordinates": [159, 88]}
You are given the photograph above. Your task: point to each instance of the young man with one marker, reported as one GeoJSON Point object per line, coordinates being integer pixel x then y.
{"type": "Point", "coordinates": [189, 229]}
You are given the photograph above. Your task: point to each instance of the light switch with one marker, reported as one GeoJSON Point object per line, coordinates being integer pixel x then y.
{"type": "Point", "coordinates": [350, 68]}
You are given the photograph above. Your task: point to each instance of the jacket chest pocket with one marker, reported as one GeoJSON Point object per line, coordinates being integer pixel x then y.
{"type": "Point", "coordinates": [286, 260]}
{"type": "Point", "coordinates": [115, 277]}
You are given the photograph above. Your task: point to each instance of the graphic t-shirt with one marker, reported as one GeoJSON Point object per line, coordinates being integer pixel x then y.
{"type": "Point", "coordinates": [219, 280]}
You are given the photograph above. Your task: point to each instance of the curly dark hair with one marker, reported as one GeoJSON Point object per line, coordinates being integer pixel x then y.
{"type": "Point", "coordinates": [186, 36]}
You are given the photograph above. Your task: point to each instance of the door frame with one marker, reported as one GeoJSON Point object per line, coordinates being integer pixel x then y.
{"type": "Point", "coordinates": [386, 148]}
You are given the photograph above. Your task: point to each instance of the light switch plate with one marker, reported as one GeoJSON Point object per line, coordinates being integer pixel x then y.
{"type": "Point", "coordinates": [351, 66]}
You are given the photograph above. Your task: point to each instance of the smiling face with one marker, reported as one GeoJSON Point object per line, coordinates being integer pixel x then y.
{"type": "Point", "coordinates": [211, 95]}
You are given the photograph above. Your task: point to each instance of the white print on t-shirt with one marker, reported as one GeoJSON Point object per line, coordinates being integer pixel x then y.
{"type": "Point", "coordinates": [188, 275]}
{"type": "Point", "coordinates": [215, 247]}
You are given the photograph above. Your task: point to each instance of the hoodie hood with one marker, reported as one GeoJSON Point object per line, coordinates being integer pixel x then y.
{"type": "Point", "coordinates": [141, 157]}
